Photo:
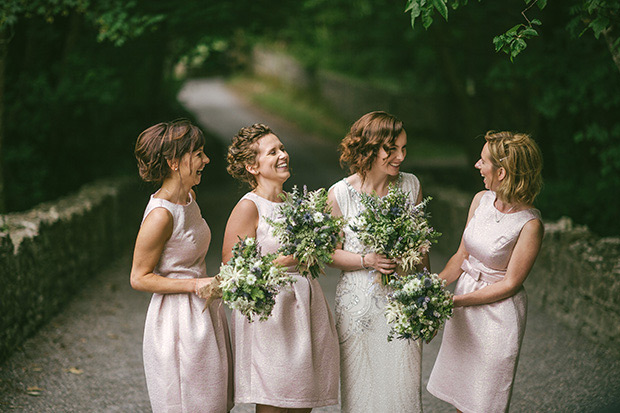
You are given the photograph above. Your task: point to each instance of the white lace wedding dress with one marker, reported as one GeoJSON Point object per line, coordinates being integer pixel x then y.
{"type": "Point", "coordinates": [375, 375]}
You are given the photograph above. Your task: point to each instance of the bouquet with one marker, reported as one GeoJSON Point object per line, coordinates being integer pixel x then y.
{"type": "Point", "coordinates": [418, 306]}
{"type": "Point", "coordinates": [250, 282]}
{"type": "Point", "coordinates": [396, 227]}
{"type": "Point", "coordinates": [306, 229]}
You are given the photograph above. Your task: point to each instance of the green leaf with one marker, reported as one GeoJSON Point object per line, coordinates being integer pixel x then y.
{"type": "Point", "coordinates": [536, 22]}
{"type": "Point", "coordinates": [514, 29]}
{"type": "Point", "coordinates": [529, 32]}
{"type": "Point", "coordinates": [441, 7]}
{"type": "Point", "coordinates": [541, 4]}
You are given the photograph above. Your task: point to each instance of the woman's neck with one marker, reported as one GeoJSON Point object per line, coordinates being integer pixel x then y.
{"type": "Point", "coordinates": [507, 207]}
{"type": "Point", "coordinates": [378, 183]}
{"type": "Point", "coordinates": [269, 190]}
{"type": "Point", "coordinates": [174, 192]}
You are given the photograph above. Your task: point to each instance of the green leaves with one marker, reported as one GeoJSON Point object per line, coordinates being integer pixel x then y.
{"type": "Point", "coordinates": [513, 41]}
{"type": "Point", "coordinates": [424, 9]}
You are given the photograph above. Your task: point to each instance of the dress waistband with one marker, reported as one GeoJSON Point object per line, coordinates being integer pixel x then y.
{"type": "Point", "coordinates": [480, 272]}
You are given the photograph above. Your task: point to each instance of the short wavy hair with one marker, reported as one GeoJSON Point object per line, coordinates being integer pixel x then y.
{"type": "Point", "coordinates": [520, 156]}
{"type": "Point", "coordinates": [370, 133]}
{"type": "Point", "coordinates": [163, 142]}
{"type": "Point", "coordinates": [243, 150]}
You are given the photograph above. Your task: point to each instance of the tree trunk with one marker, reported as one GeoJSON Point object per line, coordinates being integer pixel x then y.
{"type": "Point", "coordinates": [4, 47]}
{"type": "Point", "coordinates": [611, 39]}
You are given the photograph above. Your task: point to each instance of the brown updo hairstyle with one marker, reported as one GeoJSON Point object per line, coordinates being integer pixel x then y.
{"type": "Point", "coordinates": [163, 142]}
{"type": "Point", "coordinates": [520, 156]}
{"type": "Point", "coordinates": [243, 150]}
{"type": "Point", "coordinates": [371, 132]}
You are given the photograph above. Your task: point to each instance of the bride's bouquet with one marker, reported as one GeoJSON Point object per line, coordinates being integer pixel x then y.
{"type": "Point", "coordinates": [250, 282]}
{"type": "Point", "coordinates": [396, 227]}
{"type": "Point", "coordinates": [307, 230]}
{"type": "Point", "coordinates": [418, 306]}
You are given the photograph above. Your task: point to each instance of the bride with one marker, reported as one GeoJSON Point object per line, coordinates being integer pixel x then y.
{"type": "Point", "coordinates": [376, 375]}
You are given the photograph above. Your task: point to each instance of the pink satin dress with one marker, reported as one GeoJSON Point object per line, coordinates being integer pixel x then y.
{"type": "Point", "coordinates": [477, 361]}
{"type": "Point", "coordinates": [187, 352]}
{"type": "Point", "coordinates": [290, 360]}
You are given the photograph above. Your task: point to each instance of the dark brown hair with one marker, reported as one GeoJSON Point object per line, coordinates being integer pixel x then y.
{"type": "Point", "coordinates": [243, 150]}
{"type": "Point", "coordinates": [371, 132]}
{"type": "Point", "coordinates": [162, 142]}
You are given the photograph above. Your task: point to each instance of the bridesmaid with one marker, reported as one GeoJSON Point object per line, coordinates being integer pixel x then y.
{"type": "Point", "coordinates": [288, 363]}
{"type": "Point", "coordinates": [187, 354]}
{"type": "Point", "coordinates": [477, 361]}
{"type": "Point", "coordinates": [376, 375]}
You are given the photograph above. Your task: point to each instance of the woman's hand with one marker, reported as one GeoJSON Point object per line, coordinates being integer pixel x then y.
{"type": "Point", "coordinates": [380, 263]}
{"type": "Point", "coordinates": [201, 284]}
{"type": "Point", "coordinates": [287, 261]}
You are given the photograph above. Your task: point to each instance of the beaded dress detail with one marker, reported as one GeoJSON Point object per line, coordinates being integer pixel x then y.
{"type": "Point", "coordinates": [376, 375]}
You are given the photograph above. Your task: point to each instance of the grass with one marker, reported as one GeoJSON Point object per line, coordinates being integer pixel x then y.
{"type": "Point", "coordinates": [307, 109]}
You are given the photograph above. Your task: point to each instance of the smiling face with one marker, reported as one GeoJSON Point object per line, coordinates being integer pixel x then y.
{"type": "Point", "coordinates": [191, 167]}
{"type": "Point", "coordinates": [272, 161]}
{"type": "Point", "coordinates": [390, 162]}
{"type": "Point", "coordinates": [492, 176]}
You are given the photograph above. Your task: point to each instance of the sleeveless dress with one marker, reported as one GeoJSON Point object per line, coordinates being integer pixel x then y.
{"type": "Point", "coordinates": [290, 360]}
{"type": "Point", "coordinates": [477, 361]}
{"type": "Point", "coordinates": [376, 375]}
{"type": "Point", "coordinates": [187, 352]}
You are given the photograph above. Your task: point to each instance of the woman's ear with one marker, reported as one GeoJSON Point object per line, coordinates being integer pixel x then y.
{"type": "Point", "coordinates": [173, 164]}
{"type": "Point", "coordinates": [251, 169]}
{"type": "Point", "coordinates": [501, 173]}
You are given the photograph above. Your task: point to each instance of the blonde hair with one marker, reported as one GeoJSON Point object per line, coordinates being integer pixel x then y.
{"type": "Point", "coordinates": [370, 133]}
{"type": "Point", "coordinates": [243, 151]}
{"type": "Point", "coordinates": [521, 158]}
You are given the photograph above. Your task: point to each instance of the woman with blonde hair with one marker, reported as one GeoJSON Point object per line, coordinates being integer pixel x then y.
{"type": "Point", "coordinates": [477, 361]}
{"type": "Point", "coordinates": [186, 348]}
{"type": "Point", "coordinates": [376, 375]}
{"type": "Point", "coordinates": [290, 362]}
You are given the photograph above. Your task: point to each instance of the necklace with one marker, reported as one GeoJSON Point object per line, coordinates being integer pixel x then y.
{"type": "Point", "coordinates": [503, 214]}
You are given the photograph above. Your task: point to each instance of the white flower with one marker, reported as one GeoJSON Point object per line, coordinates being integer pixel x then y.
{"type": "Point", "coordinates": [249, 241]}
{"type": "Point", "coordinates": [318, 217]}
{"type": "Point", "coordinates": [251, 279]}
{"type": "Point", "coordinates": [239, 261]}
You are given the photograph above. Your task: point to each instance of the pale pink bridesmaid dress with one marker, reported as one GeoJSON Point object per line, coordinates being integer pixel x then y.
{"type": "Point", "coordinates": [292, 359]}
{"type": "Point", "coordinates": [187, 352]}
{"type": "Point", "coordinates": [477, 361]}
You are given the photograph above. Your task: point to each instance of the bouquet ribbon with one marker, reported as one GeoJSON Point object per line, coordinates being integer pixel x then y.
{"type": "Point", "coordinates": [211, 292]}
{"type": "Point", "coordinates": [480, 272]}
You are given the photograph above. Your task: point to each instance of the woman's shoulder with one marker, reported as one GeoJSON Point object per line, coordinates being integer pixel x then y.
{"type": "Point", "coordinates": [409, 180]}
{"type": "Point", "coordinates": [339, 186]}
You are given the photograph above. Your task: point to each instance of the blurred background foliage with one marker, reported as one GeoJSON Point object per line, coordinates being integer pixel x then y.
{"type": "Point", "coordinates": [80, 79]}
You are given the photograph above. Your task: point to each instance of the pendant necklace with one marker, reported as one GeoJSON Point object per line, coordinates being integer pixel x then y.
{"type": "Point", "coordinates": [503, 214]}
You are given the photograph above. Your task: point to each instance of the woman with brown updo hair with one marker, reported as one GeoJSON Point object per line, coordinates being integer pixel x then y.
{"type": "Point", "coordinates": [376, 375]}
{"type": "Point", "coordinates": [477, 361]}
{"type": "Point", "coordinates": [186, 351]}
{"type": "Point", "coordinates": [290, 362]}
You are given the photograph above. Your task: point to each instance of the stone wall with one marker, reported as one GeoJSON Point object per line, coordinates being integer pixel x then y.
{"type": "Point", "coordinates": [576, 277]}
{"type": "Point", "coordinates": [50, 252]}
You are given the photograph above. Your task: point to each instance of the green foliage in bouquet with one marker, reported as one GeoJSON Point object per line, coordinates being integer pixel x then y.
{"type": "Point", "coordinates": [250, 281]}
{"type": "Point", "coordinates": [418, 306]}
{"type": "Point", "coordinates": [307, 230]}
{"type": "Point", "coordinates": [394, 226]}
